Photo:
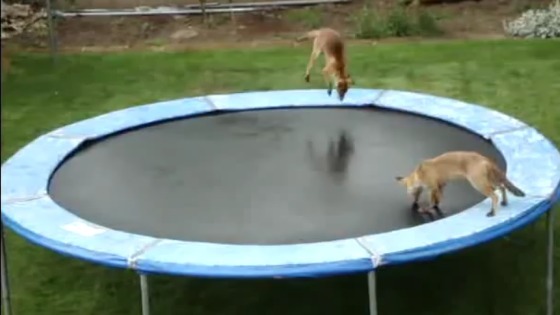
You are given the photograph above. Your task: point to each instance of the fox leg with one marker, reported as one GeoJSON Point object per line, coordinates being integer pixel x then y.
{"type": "Point", "coordinates": [314, 55]}
{"type": "Point", "coordinates": [504, 195]}
{"type": "Point", "coordinates": [487, 185]}
{"type": "Point", "coordinates": [487, 189]}
{"type": "Point", "coordinates": [416, 196]}
{"type": "Point", "coordinates": [489, 192]}
{"type": "Point", "coordinates": [435, 198]}
{"type": "Point", "coordinates": [328, 81]}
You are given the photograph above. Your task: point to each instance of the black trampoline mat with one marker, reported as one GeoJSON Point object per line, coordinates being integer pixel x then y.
{"type": "Point", "coordinates": [252, 178]}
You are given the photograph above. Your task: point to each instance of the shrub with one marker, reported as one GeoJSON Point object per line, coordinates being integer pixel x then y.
{"type": "Point", "coordinates": [396, 23]}
{"type": "Point", "coordinates": [369, 25]}
{"type": "Point", "coordinates": [399, 23]}
{"type": "Point", "coordinates": [536, 23]}
{"type": "Point", "coordinates": [308, 17]}
{"type": "Point", "coordinates": [428, 25]}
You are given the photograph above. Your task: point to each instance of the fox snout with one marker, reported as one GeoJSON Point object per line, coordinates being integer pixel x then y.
{"type": "Point", "coordinates": [411, 187]}
{"type": "Point", "coordinates": [342, 87]}
{"type": "Point", "coordinates": [341, 94]}
{"type": "Point", "coordinates": [412, 190]}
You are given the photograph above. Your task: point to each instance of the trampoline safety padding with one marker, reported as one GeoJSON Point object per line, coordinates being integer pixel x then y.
{"type": "Point", "coordinates": [257, 184]}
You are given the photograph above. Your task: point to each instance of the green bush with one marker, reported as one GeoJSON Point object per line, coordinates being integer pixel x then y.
{"type": "Point", "coordinates": [396, 23]}
{"type": "Point", "coordinates": [369, 25]}
{"type": "Point", "coordinates": [399, 24]}
{"type": "Point", "coordinates": [309, 17]}
{"type": "Point", "coordinates": [427, 25]}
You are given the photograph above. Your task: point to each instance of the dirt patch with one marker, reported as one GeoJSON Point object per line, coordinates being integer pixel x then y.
{"type": "Point", "coordinates": [465, 19]}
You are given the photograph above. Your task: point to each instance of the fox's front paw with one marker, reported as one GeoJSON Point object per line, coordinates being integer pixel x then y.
{"type": "Point", "coordinates": [490, 213]}
{"type": "Point", "coordinates": [329, 89]}
{"type": "Point", "coordinates": [426, 210]}
{"type": "Point", "coordinates": [306, 78]}
{"type": "Point", "coordinates": [415, 206]}
{"type": "Point", "coordinates": [438, 211]}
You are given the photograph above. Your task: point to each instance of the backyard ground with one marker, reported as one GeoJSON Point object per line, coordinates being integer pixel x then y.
{"type": "Point", "coordinates": [502, 277]}
{"type": "Point", "coordinates": [458, 19]}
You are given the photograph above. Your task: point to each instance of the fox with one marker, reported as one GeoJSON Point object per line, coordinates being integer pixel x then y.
{"type": "Point", "coordinates": [329, 42]}
{"type": "Point", "coordinates": [481, 172]}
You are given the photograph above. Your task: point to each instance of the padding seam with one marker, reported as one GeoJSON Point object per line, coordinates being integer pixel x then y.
{"type": "Point", "coordinates": [39, 195]}
{"type": "Point", "coordinates": [495, 133]}
{"type": "Point", "coordinates": [131, 261]}
{"type": "Point", "coordinates": [555, 193]}
{"type": "Point", "coordinates": [380, 95]}
{"type": "Point", "coordinates": [375, 257]}
{"type": "Point", "coordinates": [60, 135]}
{"type": "Point", "coordinates": [208, 101]}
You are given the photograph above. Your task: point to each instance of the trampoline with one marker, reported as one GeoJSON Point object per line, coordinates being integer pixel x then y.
{"type": "Point", "coordinates": [270, 184]}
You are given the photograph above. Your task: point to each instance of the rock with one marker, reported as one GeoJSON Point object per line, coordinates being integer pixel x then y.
{"type": "Point", "coordinates": [20, 18]}
{"type": "Point", "coordinates": [146, 28]}
{"type": "Point", "coordinates": [180, 17]}
{"type": "Point", "coordinates": [184, 34]}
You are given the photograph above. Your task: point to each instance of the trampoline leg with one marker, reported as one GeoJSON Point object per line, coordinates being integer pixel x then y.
{"type": "Point", "coordinates": [550, 263]}
{"type": "Point", "coordinates": [50, 25]}
{"type": "Point", "coordinates": [145, 293]}
{"type": "Point", "coordinates": [4, 274]}
{"type": "Point", "coordinates": [372, 293]}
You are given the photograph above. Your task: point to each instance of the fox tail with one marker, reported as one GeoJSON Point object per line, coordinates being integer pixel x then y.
{"type": "Point", "coordinates": [513, 189]}
{"type": "Point", "coordinates": [309, 35]}
{"type": "Point", "coordinates": [501, 177]}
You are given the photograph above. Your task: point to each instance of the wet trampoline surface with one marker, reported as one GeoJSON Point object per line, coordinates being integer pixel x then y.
{"type": "Point", "coordinates": [262, 177]}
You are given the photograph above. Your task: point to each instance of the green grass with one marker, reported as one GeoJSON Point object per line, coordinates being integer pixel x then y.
{"type": "Point", "coordinates": [501, 277]}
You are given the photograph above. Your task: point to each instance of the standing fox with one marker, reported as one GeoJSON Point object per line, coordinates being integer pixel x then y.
{"type": "Point", "coordinates": [330, 43]}
{"type": "Point", "coordinates": [481, 172]}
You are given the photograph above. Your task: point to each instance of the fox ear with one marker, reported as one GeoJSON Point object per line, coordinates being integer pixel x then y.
{"type": "Point", "coordinates": [350, 80]}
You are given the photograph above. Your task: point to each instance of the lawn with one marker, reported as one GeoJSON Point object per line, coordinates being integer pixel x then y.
{"type": "Point", "coordinates": [505, 276]}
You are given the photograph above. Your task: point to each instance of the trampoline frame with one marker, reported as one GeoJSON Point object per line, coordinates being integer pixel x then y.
{"type": "Point", "coordinates": [26, 174]}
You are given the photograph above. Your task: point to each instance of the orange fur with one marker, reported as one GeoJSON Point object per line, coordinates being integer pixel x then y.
{"type": "Point", "coordinates": [481, 172]}
{"type": "Point", "coordinates": [330, 43]}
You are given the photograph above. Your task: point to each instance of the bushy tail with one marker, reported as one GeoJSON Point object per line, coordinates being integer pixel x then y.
{"type": "Point", "coordinates": [512, 188]}
{"type": "Point", "coordinates": [501, 178]}
{"type": "Point", "coordinates": [309, 35]}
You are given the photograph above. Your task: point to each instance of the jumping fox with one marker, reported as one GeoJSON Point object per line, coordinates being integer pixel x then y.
{"type": "Point", "coordinates": [330, 43]}
{"type": "Point", "coordinates": [481, 172]}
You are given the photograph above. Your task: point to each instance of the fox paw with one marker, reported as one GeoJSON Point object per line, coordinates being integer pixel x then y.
{"type": "Point", "coordinates": [438, 210]}
{"type": "Point", "coordinates": [306, 78]}
{"type": "Point", "coordinates": [429, 211]}
{"type": "Point", "coordinates": [490, 214]}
